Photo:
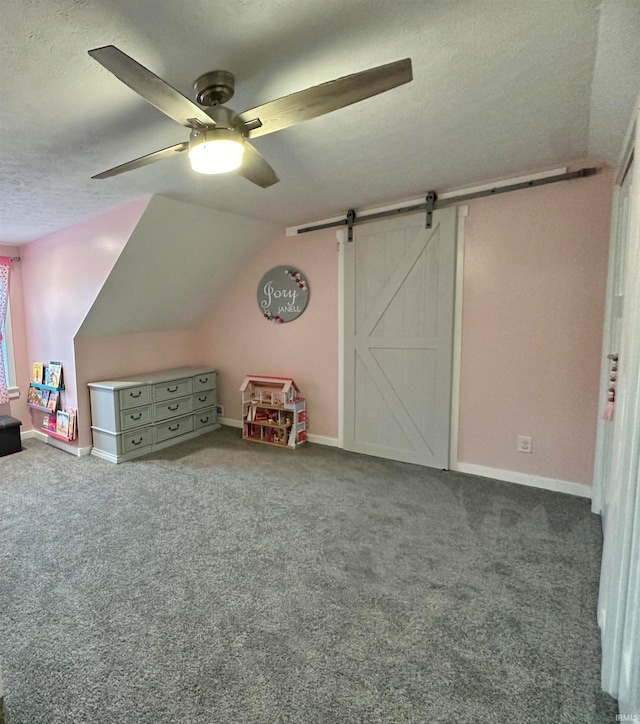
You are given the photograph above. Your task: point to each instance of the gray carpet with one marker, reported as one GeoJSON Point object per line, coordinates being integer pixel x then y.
{"type": "Point", "coordinates": [223, 581]}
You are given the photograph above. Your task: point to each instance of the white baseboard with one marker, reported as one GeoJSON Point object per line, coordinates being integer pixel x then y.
{"type": "Point", "coordinates": [324, 440]}
{"type": "Point", "coordinates": [60, 444]}
{"type": "Point", "coordinates": [229, 422]}
{"type": "Point", "coordinates": [317, 439]}
{"type": "Point", "coordinates": [534, 481]}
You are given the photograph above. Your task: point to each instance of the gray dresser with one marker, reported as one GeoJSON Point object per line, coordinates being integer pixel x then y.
{"type": "Point", "coordinates": [137, 415]}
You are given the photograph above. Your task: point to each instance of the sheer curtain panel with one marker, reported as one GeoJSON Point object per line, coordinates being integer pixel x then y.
{"type": "Point", "coordinates": [5, 265]}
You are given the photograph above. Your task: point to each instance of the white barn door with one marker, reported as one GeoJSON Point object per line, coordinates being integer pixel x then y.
{"type": "Point", "coordinates": [398, 338]}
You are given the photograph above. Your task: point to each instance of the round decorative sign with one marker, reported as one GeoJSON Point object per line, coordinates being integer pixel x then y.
{"type": "Point", "coordinates": [283, 294]}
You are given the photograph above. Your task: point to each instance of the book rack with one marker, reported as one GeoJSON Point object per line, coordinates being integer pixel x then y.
{"type": "Point", "coordinates": [45, 395]}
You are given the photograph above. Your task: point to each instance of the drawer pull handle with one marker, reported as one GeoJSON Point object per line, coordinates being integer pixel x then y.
{"type": "Point", "coordinates": [203, 380]}
{"type": "Point", "coordinates": [172, 389]}
{"type": "Point", "coordinates": [136, 442]}
{"type": "Point", "coordinates": [136, 417]}
{"type": "Point", "coordinates": [203, 399]}
{"type": "Point", "coordinates": [173, 429]}
{"type": "Point", "coordinates": [204, 420]}
{"type": "Point", "coordinates": [173, 409]}
{"type": "Point", "coordinates": [136, 395]}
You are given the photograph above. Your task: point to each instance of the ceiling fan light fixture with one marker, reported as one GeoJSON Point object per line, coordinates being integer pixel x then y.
{"type": "Point", "coordinates": [216, 150]}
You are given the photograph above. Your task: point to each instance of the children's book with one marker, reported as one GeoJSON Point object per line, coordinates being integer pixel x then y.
{"type": "Point", "coordinates": [72, 423]}
{"type": "Point", "coordinates": [36, 373]}
{"type": "Point", "coordinates": [54, 374]}
{"type": "Point", "coordinates": [44, 398]}
{"type": "Point", "coordinates": [62, 423]}
{"type": "Point", "coordinates": [45, 421]}
{"type": "Point", "coordinates": [53, 424]}
{"type": "Point", "coordinates": [33, 397]}
{"type": "Point", "coordinates": [52, 404]}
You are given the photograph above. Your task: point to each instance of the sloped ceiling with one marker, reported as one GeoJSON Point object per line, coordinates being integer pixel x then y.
{"type": "Point", "coordinates": [500, 87]}
{"type": "Point", "coordinates": [179, 258]}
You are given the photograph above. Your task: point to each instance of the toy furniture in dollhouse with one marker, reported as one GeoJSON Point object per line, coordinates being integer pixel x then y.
{"type": "Point", "coordinates": [273, 411]}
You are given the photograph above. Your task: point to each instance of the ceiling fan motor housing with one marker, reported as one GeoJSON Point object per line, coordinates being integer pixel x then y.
{"type": "Point", "coordinates": [224, 126]}
{"type": "Point", "coordinates": [215, 88]}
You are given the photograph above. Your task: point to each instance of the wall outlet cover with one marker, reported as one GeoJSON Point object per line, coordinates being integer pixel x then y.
{"type": "Point", "coordinates": [524, 443]}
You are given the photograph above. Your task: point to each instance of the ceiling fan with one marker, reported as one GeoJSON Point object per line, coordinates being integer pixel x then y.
{"type": "Point", "coordinates": [218, 140]}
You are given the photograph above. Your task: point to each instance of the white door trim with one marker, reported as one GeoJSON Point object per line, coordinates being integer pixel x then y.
{"type": "Point", "coordinates": [341, 240]}
{"type": "Point", "coordinates": [463, 212]}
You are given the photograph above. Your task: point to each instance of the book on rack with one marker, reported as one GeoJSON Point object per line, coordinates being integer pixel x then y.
{"type": "Point", "coordinates": [53, 376]}
{"type": "Point", "coordinates": [49, 422]}
{"type": "Point", "coordinates": [52, 403]}
{"type": "Point", "coordinates": [37, 373]}
{"type": "Point", "coordinates": [62, 423]}
{"type": "Point", "coordinates": [33, 397]}
{"type": "Point", "coordinates": [44, 398]}
{"type": "Point", "coordinates": [71, 434]}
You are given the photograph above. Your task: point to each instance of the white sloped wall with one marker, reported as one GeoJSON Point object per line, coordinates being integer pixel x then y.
{"type": "Point", "coordinates": [177, 261]}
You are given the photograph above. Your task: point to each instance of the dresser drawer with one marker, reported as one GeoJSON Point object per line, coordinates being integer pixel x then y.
{"type": "Point", "coordinates": [173, 428]}
{"type": "Point", "coordinates": [172, 408]}
{"type": "Point", "coordinates": [135, 417]}
{"type": "Point", "coordinates": [206, 381]}
{"type": "Point", "coordinates": [204, 399]}
{"type": "Point", "coordinates": [169, 390]}
{"type": "Point", "coordinates": [134, 396]}
{"type": "Point", "coordinates": [204, 418]}
{"type": "Point", "coordinates": [137, 439]}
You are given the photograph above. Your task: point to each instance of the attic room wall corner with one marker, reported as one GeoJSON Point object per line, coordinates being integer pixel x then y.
{"type": "Point", "coordinates": [238, 340]}
{"type": "Point", "coordinates": [79, 259]}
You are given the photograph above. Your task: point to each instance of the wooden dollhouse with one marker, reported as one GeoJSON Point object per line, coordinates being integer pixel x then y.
{"type": "Point", "coordinates": [273, 412]}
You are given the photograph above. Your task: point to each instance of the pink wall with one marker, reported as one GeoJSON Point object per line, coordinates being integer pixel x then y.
{"type": "Point", "coordinates": [17, 406]}
{"type": "Point", "coordinates": [535, 271]}
{"type": "Point", "coordinates": [112, 357]}
{"type": "Point", "coordinates": [534, 285]}
{"type": "Point", "coordinates": [62, 275]}
{"type": "Point", "coordinates": [240, 341]}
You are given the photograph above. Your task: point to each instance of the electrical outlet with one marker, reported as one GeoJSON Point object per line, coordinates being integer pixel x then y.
{"type": "Point", "coordinates": [220, 410]}
{"type": "Point", "coordinates": [524, 443]}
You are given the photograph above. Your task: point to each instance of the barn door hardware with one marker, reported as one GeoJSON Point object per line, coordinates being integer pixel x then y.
{"type": "Point", "coordinates": [432, 197]}
{"type": "Point", "coordinates": [432, 202]}
{"type": "Point", "coordinates": [351, 220]}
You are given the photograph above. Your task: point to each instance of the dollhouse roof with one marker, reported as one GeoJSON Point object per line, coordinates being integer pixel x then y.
{"type": "Point", "coordinates": [285, 382]}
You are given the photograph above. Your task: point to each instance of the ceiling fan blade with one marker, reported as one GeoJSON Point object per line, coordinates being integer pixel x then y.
{"type": "Point", "coordinates": [254, 167]}
{"type": "Point", "coordinates": [323, 98]}
{"type": "Point", "coordinates": [152, 88]}
{"type": "Point", "coordinates": [144, 160]}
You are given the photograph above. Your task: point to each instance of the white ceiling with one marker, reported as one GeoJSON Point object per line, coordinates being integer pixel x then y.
{"type": "Point", "coordinates": [500, 87]}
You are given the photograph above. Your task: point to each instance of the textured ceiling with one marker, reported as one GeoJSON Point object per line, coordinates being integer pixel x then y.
{"type": "Point", "coordinates": [500, 87]}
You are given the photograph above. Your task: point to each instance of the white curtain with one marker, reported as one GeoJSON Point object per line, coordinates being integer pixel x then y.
{"type": "Point", "coordinates": [619, 602]}
{"type": "Point", "coordinates": [5, 263]}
